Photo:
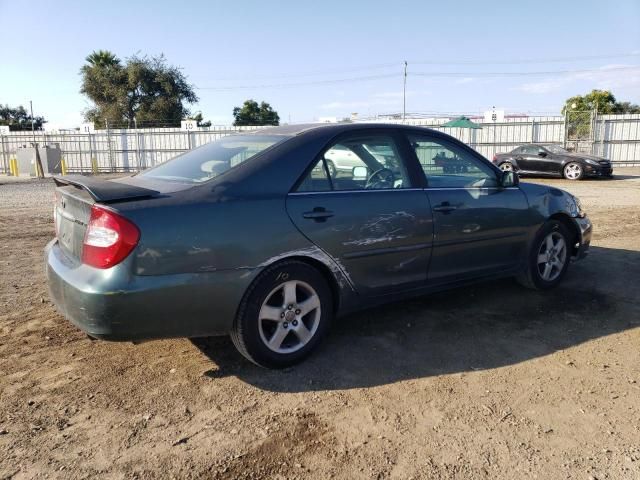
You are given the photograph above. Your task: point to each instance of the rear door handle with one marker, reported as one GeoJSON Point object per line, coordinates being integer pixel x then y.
{"type": "Point", "coordinates": [319, 214]}
{"type": "Point", "coordinates": [444, 207]}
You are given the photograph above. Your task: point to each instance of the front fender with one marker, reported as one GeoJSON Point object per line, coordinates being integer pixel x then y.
{"type": "Point", "coordinates": [548, 203]}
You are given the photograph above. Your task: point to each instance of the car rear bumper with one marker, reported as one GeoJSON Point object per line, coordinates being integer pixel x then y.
{"type": "Point", "coordinates": [114, 305]}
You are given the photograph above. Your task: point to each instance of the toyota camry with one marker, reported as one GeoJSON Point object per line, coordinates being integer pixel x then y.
{"type": "Point", "coordinates": [257, 236]}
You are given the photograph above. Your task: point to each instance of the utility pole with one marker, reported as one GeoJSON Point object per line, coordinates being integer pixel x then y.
{"type": "Point", "coordinates": [39, 170]}
{"type": "Point", "coordinates": [404, 93]}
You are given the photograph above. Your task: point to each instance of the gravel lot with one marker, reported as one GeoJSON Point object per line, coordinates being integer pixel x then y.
{"type": "Point", "coordinates": [493, 381]}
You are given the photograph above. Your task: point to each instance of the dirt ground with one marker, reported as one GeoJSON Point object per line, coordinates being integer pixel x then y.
{"type": "Point", "coordinates": [492, 381]}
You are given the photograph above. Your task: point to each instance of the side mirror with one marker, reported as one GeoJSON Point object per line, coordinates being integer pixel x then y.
{"type": "Point", "coordinates": [542, 154]}
{"type": "Point", "coordinates": [509, 179]}
{"type": "Point", "coordinates": [360, 172]}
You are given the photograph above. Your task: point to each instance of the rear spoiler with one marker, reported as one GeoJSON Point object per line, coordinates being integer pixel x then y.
{"type": "Point", "coordinates": [105, 190]}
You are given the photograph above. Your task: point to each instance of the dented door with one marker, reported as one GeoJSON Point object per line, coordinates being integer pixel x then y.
{"type": "Point", "coordinates": [381, 238]}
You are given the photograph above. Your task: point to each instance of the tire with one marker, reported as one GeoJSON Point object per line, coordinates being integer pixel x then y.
{"type": "Point", "coordinates": [506, 167]}
{"type": "Point", "coordinates": [573, 171]}
{"type": "Point", "coordinates": [269, 329]}
{"type": "Point", "coordinates": [535, 274]}
{"type": "Point", "coordinates": [332, 169]}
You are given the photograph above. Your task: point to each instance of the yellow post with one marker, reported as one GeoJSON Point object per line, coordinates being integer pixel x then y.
{"type": "Point", "coordinates": [38, 173]}
{"type": "Point", "coordinates": [94, 166]}
{"type": "Point", "coordinates": [63, 166]}
{"type": "Point", "coordinates": [13, 166]}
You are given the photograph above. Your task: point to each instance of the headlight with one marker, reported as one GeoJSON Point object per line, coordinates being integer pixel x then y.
{"type": "Point", "coordinates": [591, 162]}
{"type": "Point", "coordinates": [575, 207]}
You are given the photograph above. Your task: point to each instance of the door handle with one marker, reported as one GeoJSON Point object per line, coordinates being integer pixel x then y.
{"type": "Point", "coordinates": [444, 207]}
{"type": "Point", "coordinates": [319, 214]}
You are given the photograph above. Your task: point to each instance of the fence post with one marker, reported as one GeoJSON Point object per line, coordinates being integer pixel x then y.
{"type": "Point", "coordinates": [109, 145]}
{"type": "Point", "coordinates": [135, 125]}
{"type": "Point", "coordinates": [564, 130]}
{"type": "Point", "coordinates": [4, 155]}
{"type": "Point", "coordinates": [533, 130]}
{"type": "Point", "coordinates": [603, 130]}
{"type": "Point", "coordinates": [592, 130]}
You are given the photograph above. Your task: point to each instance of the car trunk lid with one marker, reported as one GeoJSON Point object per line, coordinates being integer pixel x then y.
{"type": "Point", "coordinates": [76, 194]}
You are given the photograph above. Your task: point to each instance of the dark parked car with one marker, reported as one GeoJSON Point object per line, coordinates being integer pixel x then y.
{"type": "Point", "coordinates": [552, 160]}
{"type": "Point", "coordinates": [252, 235]}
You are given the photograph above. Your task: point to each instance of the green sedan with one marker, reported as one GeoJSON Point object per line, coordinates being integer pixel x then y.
{"type": "Point", "coordinates": [256, 236]}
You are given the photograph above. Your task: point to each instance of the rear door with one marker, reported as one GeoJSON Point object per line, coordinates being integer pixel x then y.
{"type": "Point", "coordinates": [373, 220]}
{"type": "Point", "coordinates": [480, 228]}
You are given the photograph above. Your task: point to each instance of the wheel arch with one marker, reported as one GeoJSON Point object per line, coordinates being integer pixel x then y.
{"type": "Point", "coordinates": [571, 226]}
{"type": "Point", "coordinates": [336, 281]}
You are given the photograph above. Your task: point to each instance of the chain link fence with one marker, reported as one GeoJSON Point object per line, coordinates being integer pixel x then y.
{"type": "Point", "coordinates": [616, 137]}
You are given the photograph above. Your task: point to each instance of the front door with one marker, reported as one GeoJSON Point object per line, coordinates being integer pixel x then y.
{"type": "Point", "coordinates": [529, 161]}
{"type": "Point", "coordinates": [480, 228]}
{"type": "Point", "coordinates": [371, 220]}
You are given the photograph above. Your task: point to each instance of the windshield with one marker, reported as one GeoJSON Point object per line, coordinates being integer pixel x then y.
{"type": "Point", "coordinates": [555, 149]}
{"type": "Point", "coordinates": [213, 159]}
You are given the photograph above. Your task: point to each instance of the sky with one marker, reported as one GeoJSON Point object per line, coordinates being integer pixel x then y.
{"type": "Point", "coordinates": [330, 58]}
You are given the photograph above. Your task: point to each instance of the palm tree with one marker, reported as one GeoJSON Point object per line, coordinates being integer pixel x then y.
{"type": "Point", "coordinates": [102, 58]}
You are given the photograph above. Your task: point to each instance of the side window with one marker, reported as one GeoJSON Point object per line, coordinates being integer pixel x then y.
{"type": "Point", "coordinates": [363, 162]}
{"type": "Point", "coordinates": [517, 151]}
{"type": "Point", "coordinates": [530, 150]}
{"type": "Point", "coordinates": [316, 180]}
{"type": "Point", "coordinates": [448, 166]}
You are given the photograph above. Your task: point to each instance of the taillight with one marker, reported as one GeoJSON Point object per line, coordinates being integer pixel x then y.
{"type": "Point", "coordinates": [495, 158]}
{"type": "Point", "coordinates": [109, 238]}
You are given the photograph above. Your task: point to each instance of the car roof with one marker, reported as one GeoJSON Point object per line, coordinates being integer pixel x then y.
{"type": "Point", "coordinates": [334, 128]}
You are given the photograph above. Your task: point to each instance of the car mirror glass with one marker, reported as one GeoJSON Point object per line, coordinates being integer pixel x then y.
{"type": "Point", "coordinates": [360, 173]}
{"type": "Point", "coordinates": [509, 179]}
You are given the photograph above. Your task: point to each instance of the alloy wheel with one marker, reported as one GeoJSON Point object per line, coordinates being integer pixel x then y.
{"type": "Point", "coordinates": [573, 171]}
{"type": "Point", "coordinates": [506, 167]}
{"type": "Point", "coordinates": [289, 316]}
{"type": "Point", "coordinates": [552, 256]}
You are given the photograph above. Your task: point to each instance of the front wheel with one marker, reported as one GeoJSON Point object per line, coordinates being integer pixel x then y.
{"type": "Point", "coordinates": [333, 171]}
{"type": "Point", "coordinates": [573, 171]}
{"type": "Point", "coordinates": [284, 315]}
{"type": "Point", "coordinates": [548, 258]}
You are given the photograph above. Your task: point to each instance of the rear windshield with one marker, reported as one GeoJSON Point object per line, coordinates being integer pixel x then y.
{"type": "Point", "coordinates": [213, 159]}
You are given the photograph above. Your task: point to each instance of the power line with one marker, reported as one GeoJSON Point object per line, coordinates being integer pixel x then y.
{"type": "Point", "coordinates": [525, 61]}
{"type": "Point", "coordinates": [310, 73]}
{"type": "Point", "coordinates": [418, 74]}
{"type": "Point", "coordinates": [300, 84]}
{"type": "Point", "coordinates": [378, 66]}
{"type": "Point", "coordinates": [518, 74]}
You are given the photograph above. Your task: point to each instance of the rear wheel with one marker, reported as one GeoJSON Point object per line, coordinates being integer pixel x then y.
{"type": "Point", "coordinates": [284, 315]}
{"type": "Point", "coordinates": [573, 171]}
{"type": "Point", "coordinates": [549, 257]}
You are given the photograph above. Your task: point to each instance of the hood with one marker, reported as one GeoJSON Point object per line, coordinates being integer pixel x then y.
{"type": "Point", "coordinates": [584, 155]}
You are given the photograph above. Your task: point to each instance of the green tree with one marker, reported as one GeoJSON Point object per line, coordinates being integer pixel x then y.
{"type": "Point", "coordinates": [18, 119]}
{"type": "Point", "coordinates": [200, 120]}
{"type": "Point", "coordinates": [601, 100]}
{"type": "Point", "coordinates": [146, 89]}
{"type": "Point", "coordinates": [626, 107]}
{"type": "Point", "coordinates": [253, 114]}
{"type": "Point", "coordinates": [578, 109]}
